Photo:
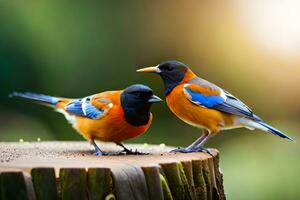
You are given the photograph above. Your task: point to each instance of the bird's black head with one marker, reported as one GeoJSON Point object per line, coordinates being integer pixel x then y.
{"type": "Point", "coordinates": [172, 72]}
{"type": "Point", "coordinates": [136, 101]}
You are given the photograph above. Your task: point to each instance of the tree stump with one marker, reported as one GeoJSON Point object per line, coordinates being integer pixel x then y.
{"type": "Point", "coordinates": [69, 170]}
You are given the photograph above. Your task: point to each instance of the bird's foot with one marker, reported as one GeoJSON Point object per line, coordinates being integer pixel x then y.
{"type": "Point", "coordinates": [100, 153]}
{"type": "Point", "coordinates": [191, 150]}
{"type": "Point", "coordinates": [127, 151]}
{"type": "Point", "coordinates": [130, 152]}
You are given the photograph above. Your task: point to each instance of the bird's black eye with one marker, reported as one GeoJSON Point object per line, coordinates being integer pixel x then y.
{"type": "Point", "coordinates": [137, 94]}
{"type": "Point", "coordinates": [165, 68]}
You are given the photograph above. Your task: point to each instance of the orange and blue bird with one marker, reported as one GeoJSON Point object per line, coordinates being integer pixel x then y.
{"type": "Point", "coordinates": [111, 116]}
{"type": "Point", "coordinates": [204, 105]}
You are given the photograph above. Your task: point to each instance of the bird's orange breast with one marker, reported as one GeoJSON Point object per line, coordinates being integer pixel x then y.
{"type": "Point", "coordinates": [112, 127]}
{"type": "Point", "coordinates": [196, 115]}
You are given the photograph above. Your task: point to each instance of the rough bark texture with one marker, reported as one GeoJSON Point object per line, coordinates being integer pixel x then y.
{"type": "Point", "coordinates": [99, 183]}
{"type": "Point", "coordinates": [69, 170]}
{"type": "Point", "coordinates": [44, 183]}
{"type": "Point", "coordinates": [73, 183]}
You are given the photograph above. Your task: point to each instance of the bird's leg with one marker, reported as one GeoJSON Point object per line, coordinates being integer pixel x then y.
{"type": "Point", "coordinates": [125, 149]}
{"type": "Point", "coordinates": [128, 151]}
{"type": "Point", "coordinates": [205, 139]}
{"type": "Point", "coordinates": [196, 146]}
{"type": "Point", "coordinates": [199, 140]}
{"type": "Point", "coordinates": [98, 151]}
{"type": "Point", "coordinates": [199, 147]}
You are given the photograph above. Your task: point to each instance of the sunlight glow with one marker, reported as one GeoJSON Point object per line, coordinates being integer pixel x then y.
{"type": "Point", "coordinates": [273, 23]}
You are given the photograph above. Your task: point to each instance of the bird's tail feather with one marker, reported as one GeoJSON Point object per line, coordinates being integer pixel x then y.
{"type": "Point", "coordinates": [274, 130]}
{"type": "Point", "coordinates": [39, 98]}
{"type": "Point", "coordinates": [259, 124]}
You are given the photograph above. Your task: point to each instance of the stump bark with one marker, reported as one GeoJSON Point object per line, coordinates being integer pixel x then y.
{"type": "Point", "coordinates": [69, 170]}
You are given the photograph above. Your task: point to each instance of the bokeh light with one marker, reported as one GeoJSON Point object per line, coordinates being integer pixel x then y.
{"type": "Point", "coordinates": [273, 23]}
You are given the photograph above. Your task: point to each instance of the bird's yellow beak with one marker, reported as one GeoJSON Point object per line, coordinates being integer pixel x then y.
{"type": "Point", "coordinates": [153, 69]}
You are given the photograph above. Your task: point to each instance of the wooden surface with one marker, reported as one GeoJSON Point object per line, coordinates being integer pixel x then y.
{"type": "Point", "coordinates": [69, 170]}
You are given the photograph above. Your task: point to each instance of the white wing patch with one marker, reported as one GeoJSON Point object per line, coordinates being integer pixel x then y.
{"type": "Point", "coordinates": [83, 105]}
{"type": "Point", "coordinates": [70, 118]}
{"type": "Point", "coordinates": [223, 94]}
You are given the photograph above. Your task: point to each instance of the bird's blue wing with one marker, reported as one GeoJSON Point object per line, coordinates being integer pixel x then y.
{"type": "Point", "coordinates": [235, 106]}
{"type": "Point", "coordinates": [75, 107]}
{"type": "Point", "coordinates": [202, 99]}
{"type": "Point", "coordinates": [90, 110]}
{"type": "Point", "coordinates": [84, 108]}
{"type": "Point", "coordinates": [224, 101]}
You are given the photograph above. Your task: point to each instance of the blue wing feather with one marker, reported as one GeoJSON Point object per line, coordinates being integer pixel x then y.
{"type": "Point", "coordinates": [207, 101]}
{"type": "Point", "coordinates": [230, 105]}
{"type": "Point", "coordinates": [87, 110]}
{"type": "Point", "coordinates": [75, 107]}
{"type": "Point", "coordinates": [92, 112]}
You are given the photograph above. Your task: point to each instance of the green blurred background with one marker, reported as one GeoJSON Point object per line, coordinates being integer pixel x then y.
{"type": "Point", "coordinates": [74, 49]}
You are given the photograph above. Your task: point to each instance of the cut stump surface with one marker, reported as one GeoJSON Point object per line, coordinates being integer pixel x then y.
{"type": "Point", "coordinates": [69, 170]}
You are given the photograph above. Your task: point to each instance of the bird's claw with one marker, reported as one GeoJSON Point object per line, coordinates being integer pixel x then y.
{"type": "Point", "coordinates": [130, 152]}
{"type": "Point", "coordinates": [100, 153]}
{"type": "Point", "coordinates": [191, 150]}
